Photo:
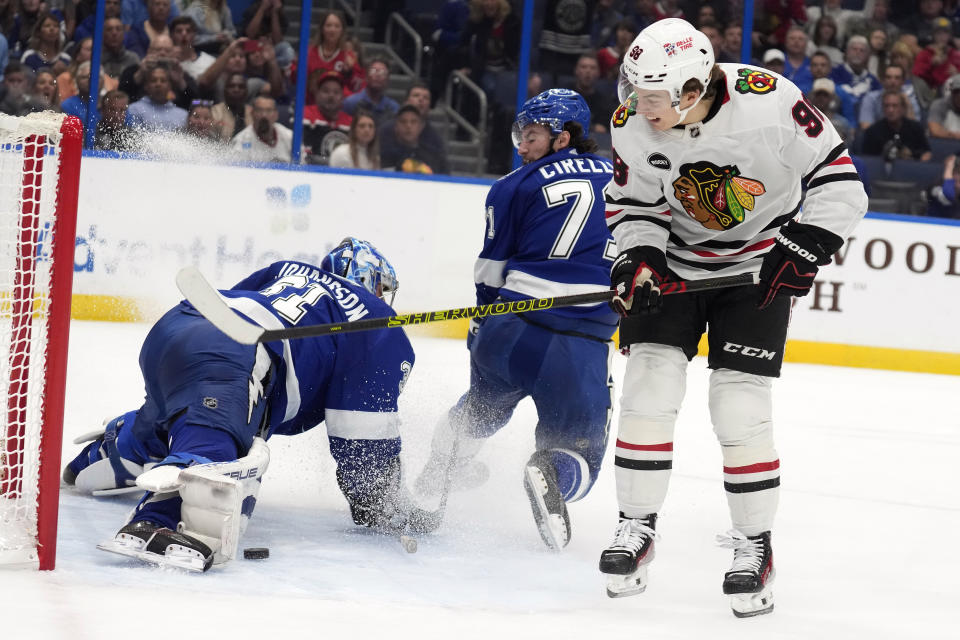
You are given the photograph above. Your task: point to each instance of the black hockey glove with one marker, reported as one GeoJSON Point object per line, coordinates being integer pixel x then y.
{"type": "Point", "coordinates": [384, 504]}
{"type": "Point", "coordinates": [636, 276]}
{"type": "Point", "coordinates": [792, 264]}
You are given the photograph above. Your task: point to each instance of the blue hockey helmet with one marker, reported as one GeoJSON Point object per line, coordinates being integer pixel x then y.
{"type": "Point", "coordinates": [359, 261]}
{"type": "Point", "coordinates": [552, 108]}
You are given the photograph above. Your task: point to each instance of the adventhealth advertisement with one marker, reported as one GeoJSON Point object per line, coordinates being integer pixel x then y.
{"type": "Point", "coordinates": [894, 285]}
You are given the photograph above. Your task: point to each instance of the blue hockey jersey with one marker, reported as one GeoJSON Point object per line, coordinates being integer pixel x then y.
{"type": "Point", "coordinates": [351, 381]}
{"type": "Point", "coordinates": [546, 237]}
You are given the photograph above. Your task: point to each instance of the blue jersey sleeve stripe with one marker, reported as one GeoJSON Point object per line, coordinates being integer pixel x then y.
{"type": "Point", "coordinates": [489, 272]}
{"type": "Point", "coordinates": [362, 425]}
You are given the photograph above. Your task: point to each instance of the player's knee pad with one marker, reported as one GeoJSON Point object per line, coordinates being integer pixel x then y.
{"type": "Point", "coordinates": [574, 475]}
{"type": "Point", "coordinates": [654, 383]}
{"type": "Point", "coordinates": [741, 408]}
{"type": "Point", "coordinates": [218, 497]}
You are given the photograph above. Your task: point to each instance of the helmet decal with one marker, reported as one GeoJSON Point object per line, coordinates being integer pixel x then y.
{"type": "Point", "coordinates": [360, 262]}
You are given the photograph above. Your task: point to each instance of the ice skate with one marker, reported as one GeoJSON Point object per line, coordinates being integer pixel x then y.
{"type": "Point", "coordinates": [546, 502]}
{"type": "Point", "coordinates": [158, 545]}
{"type": "Point", "coordinates": [625, 560]}
{"type": "Point", "coordinates": [749, 578]}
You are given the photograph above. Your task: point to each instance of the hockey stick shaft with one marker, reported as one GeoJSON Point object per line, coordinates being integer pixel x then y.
{"type": "Point", "coordinates": [208, 302]}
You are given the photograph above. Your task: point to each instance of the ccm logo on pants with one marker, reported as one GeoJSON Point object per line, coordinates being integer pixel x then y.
{"type": "Point", "coordinates": [753, 352]}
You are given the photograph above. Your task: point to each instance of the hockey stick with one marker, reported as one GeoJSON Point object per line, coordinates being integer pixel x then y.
{"type": "Point", "coordinates": [208, 302]}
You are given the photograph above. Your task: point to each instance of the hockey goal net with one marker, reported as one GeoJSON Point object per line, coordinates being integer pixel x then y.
{"type": "Point", "coordinates": [39, 175]}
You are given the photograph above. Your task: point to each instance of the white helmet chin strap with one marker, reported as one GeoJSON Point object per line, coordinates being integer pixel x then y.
{"type": "Point", "coordinates": [683, 112]}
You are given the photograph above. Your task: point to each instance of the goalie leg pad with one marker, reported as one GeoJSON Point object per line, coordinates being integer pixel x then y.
{"type": "Point", "coordinates": [219, 498]}
{"type": "Point", "coordinates": [108, 464]}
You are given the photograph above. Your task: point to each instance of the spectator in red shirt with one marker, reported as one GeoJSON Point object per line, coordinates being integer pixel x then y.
{"type": "Point", "coordinates": [331, 51]}
{"type": "Point", "coordinates": [611, 57]}
{"type": "Point", "coordinates": [938, 60]}
{"type": "Point", "coordinates": [325, 124]}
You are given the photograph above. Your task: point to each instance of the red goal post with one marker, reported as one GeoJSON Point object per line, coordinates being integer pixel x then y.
{"type": "Point", "coordinates": [39, 181]}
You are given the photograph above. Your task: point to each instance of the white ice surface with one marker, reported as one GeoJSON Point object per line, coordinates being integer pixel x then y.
{"type": "Point", "coordinates": [866, 542]}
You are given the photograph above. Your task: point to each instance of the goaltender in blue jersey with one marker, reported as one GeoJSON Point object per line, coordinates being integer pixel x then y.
{"type": "Point", "coordinates": [211, 402]}
{"type": "Point", "coordinates": [545, 236]}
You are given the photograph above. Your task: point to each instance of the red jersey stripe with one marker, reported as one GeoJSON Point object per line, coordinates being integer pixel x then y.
{"type": "Point", "coordinates": [754, 468]}
{"type": "Point", "coordinates": [840, 161]}
{"type": "Point", "coordinates": [666, 446]}
{"type": "Point", "coordinates": [753, 247]}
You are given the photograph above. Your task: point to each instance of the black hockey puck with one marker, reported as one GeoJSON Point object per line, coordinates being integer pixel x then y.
{"type": "Point", "coordinates": [256, 553]}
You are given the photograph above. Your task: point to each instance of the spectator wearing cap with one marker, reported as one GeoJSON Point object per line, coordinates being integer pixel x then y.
{"type": "Point", "coordinates": [796, 66]}
{"type": "Point", "coordinates": [944, 118]}
{"type": "Point", "coordinates": [155, 110]}
{"type": "Point", "coordinates": [418, 95]}
{"type": "Point", "coordinates": [183, 33]}
{"type": "Point", "coordinates": [820, 67]}
{"type": "Point", "coordinates": [374, 96]}
{"type": "Point", "coordinates": [773, 59]}
{"type": "Point", "coordinates": [853, 76]}
{"type": "Point", "coordinates": [265, 140]}
{"type": "Point", "coordinates": [940, 59]}
{"type": "Point", "coordinates": [926, 16]}
{"type": "Point", "coordinates": [896, 136]}
{"type": "Point", "coordinates": [410, 156]}
{"type": "Point", "coordinates": [871, 109]}
{"type": "Point", "coordinates": [823, 95]}
{"type": "Point", "coordinates": [325, 124]}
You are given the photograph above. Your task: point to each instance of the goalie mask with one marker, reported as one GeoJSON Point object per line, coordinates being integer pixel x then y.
{"type": "Point", "coordinates": [664, 57]}
{"type": "Point", "coordinates": [359, 261]}
{"type": "Point", "coordinates": [553, 109]}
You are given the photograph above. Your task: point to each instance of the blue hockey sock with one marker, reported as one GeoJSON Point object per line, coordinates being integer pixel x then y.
{"type": "Point", "coordinates": [573, 474]}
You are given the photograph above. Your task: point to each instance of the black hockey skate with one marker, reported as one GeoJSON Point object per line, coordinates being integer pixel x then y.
{"type": "Point", "coordinates": [548, 506]}
{"type": "Point", "coordinates": [625, 560]}
{"type": "Point", "coordinates": [749, 578]}
{"type": "Point", "coordinates": [158, 545]}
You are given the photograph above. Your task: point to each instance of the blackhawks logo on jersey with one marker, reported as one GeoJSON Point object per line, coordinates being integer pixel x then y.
{"type": "Point", "coordinates": [754, 81]}
{"type": "Point", "coordinates": [716, 197]}
{"type": "Point", "coordinates": [625, 110]}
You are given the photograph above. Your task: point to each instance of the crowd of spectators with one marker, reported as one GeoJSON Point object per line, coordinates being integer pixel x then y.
{"type": "Point", "coordinates": [885, 72]}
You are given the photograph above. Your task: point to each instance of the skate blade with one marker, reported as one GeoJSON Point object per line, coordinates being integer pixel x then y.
{"type": "Point", "coordinates": [551, 526]}
{"type": "Point", "coordinates": [128, 548]}
{"type": "Point", "coordinates": [629, 585]}
{"type": "Point", "coordinates": [747, 605]}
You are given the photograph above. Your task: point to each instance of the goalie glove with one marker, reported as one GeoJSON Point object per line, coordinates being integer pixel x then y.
{"type": "Point", "coordinates": [636, 276]}
{"type": "Point", "coordinates": [791, 266]}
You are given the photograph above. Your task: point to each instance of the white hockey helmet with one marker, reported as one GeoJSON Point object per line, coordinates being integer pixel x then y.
{"type": "Point", "coordinates": [663, 57]}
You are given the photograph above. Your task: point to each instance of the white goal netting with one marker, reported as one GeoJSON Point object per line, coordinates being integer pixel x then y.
{"type": "Point", "coordinates": [29, 172]}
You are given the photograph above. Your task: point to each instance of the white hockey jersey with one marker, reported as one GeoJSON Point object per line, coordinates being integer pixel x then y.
{"type": "Point", "coordinates": [713, 194]}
